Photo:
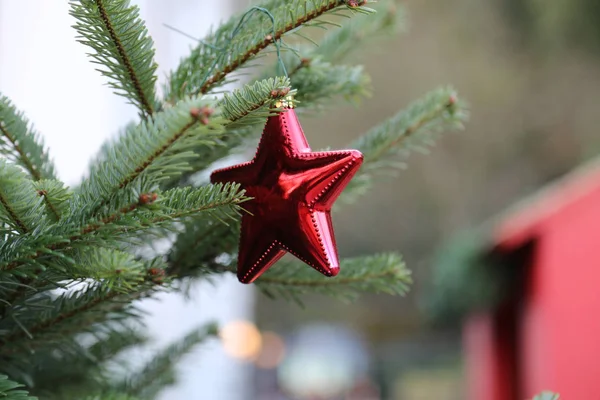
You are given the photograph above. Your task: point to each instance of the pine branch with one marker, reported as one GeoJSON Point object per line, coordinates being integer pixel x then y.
{"type": "Point", "coordinates": [253, 103]}
{"type": "Point", "coordinates": [82, 368]}
{"type": "Point", "coordinates": [121, 45]}
{"type": "Point", "coordinates": [149, 153]}
{"type": "Point", "coordinates": [219, 201]}
{"type": "Point", "coordinates": [199, 246]}
{"type": "Point", "coordinates": [245, 109]}
{"type": "Point", "coordinates": [310, 67]}
{"type": "Point", "coordinates": [21, 144]}
{"type": "Point", "coordinates": [9, 390]}
{"type": "Point", "coordinates": [386, 145]}
{"type": "Point", "coordinates": [321, 82]}
{"type": "Point", "coordinates": [56, 197]}
{"type": "Point", "coordinates": [231, 46]}
{"type": "Point", "coordinates": [50, 321]}
{"type": "Point", "coordinates": [338, 44]}
{"type": "Point", "coordinates": [20, 208]}
{"type": "Point", "coordinates": [383, 273]}
{"type": "Point", "coordinates": [159, 372]}
{"type": "Point", "coordinates": [67, 236]}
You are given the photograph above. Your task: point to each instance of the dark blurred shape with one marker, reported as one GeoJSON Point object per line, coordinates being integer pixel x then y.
{"type": "Point", "coordinates": [554, 25]}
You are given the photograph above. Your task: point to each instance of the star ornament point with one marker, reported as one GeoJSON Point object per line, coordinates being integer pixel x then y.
{"type": "Point", "coordinates": [292, 191]}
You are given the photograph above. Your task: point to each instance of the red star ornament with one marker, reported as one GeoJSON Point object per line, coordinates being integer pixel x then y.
{"type": "Point", "coordinates": [293, 190]}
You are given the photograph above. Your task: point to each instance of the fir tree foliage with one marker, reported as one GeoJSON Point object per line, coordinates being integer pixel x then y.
{"type": "Point", "coordinates": [20, 206]}
{"type": "Point", "coordinates": [381, 273]}
{"type": "Point", "coordinates": [386, 146]}
{"type": "Point", "coordinates": [121, 46]}
{"type": "Point", "coordinates": [10, 390]}
{"type": "Point", "coordinates": [74, 262]}
{"type": "Point", "coordinates": [233, 44]}
{"type": "Point", "coordinates": [160, 370]}
{"type": "Point", "coordinates": [21, 144]}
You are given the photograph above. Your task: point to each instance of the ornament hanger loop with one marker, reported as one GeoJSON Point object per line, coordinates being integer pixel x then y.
{"type": "Point", "coordinates": [276, 42]}
{"type": "Point", "coordinates": [245, 17]}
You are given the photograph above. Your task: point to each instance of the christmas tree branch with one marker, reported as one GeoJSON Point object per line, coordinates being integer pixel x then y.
{"type": "Point", "coordinates": [233, 44]}
{"type": "Point", "coordinates": [253, 103]}
{"type": "Point", "coordinates": [21, 144]}
{"type": "Point", "coordinates": [56, 197]}
{"type": "Point", "coordinates": [20, 209]}
{"type": "Point", "coordinates": [159, 372]}
{"type": "Point", "coordinates": [312, 73]}
{"type": "Point", "coordinates": [71, 313]}
{"type": "Point", "coordinates": [121, 44]}
{"type": "Point", "coordinates": [152, 151]}
{"type": "Point", "coordinates": [218, 200]}
{"type": "Point", "coordinates": [81, 367]}
{"type": "Point", "coordinates": [385, 273]}
{"type": "Point", "coordinates": [90, 228]}
{"type": "Point", "coordinates": [244, 109]}
{"type": "Point", "coordinates": [385, 145]}
{"type": "Point", "coordinates": [338, 44]}
{"type": "Point", "coordinates": [10, 390]}
{"type": "Point", "coordinates": [321, 82]}
{"type": "Point", "coordinates": [196, 248]}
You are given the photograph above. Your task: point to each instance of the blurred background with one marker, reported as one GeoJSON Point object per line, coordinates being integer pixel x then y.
{"type": "Point", "coordinates": [529, 70]}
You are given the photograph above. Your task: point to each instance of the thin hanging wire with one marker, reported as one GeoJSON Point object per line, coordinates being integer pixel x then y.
{"type": "Point", "coordinates": [223, 50]}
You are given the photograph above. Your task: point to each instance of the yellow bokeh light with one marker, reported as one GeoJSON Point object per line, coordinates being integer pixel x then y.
{"type": "Point", "coordinates": [241, 339]}
{"type": "Point", "coordinates": [272, 351]}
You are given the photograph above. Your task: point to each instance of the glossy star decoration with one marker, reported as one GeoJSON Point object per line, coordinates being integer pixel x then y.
{"type": "Point", "coordinates": [293, 190]}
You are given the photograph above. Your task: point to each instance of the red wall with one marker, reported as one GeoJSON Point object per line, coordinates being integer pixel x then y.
{"type": "Point", "coordinates": [561, 315]}
{"type": "Point", "coordinates": [558, 320]}
{"type": "Point", "coordinates": [488, 346]}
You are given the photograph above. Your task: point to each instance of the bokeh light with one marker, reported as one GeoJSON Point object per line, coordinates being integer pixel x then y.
{"type": "Point", "coordinates": [272, 351]}
{"type": "Point", "coordinates": [241, 339]}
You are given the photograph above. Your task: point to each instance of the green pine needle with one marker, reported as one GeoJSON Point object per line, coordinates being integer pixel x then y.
{"type": "Point", "coordinates": [56, 197]}
{"type": "Point", "coordinates": [159, 372]}
{"type": "Point", "coordinates": [50, 321]}
{"type": "Point", "coordinates": [253, 103]}
{"type": "Point", "coordinates": [82, 367]}
{"type": "Point", "coordinates": [21, 209]}
{"type": "Point", "coordinates": [338, 44]}
{"type": "Point", "coordinates": [232, 45]}
{"type": "Point", "coordinates": [387, 145]}
{"type": "Point", "coordinates": [21, 144]}
{"type": "Point", "coordinates": [148, 153]}
{"type": "Point", "coordinates": [244, 109]}
{"type": "Point", "coordinates": [321, 82]}
{"type": "Point", "coordinates": [199, 247]}
{"type": "Point", "coordinates": [10, 390]}
{"type": "Point", "coordinates": [382, 273]}
{"type": "Point", "coordinates": [121, 46]}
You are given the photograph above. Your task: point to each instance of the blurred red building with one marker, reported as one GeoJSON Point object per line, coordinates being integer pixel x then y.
{"type": "Point", "coordinates": [548, 336]}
